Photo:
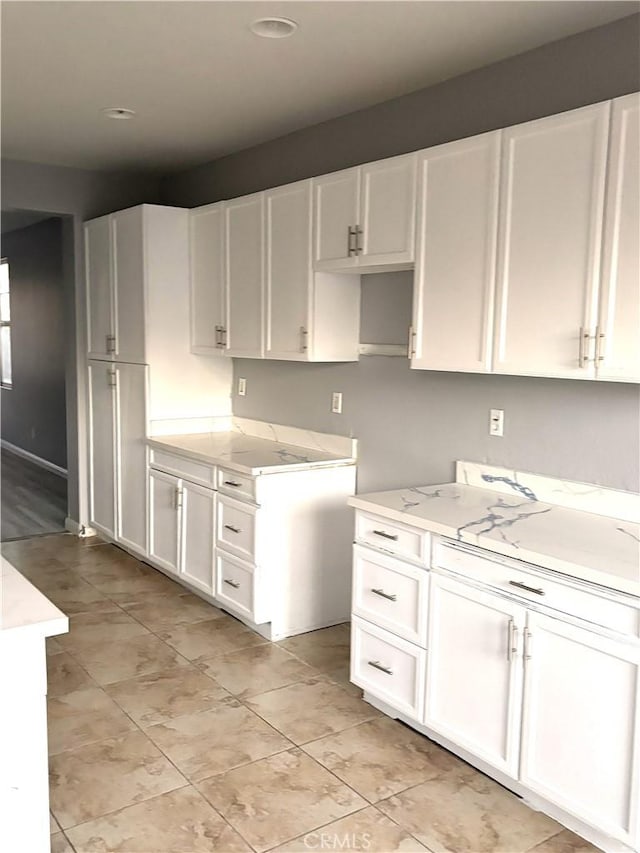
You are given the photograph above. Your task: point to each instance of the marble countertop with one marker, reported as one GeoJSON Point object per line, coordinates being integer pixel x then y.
{"type": "Point", "coordinates": [584, 545]}
{"type": "Point", "coordinates": [24, 610]}
{"type": "Point", "coordinates": [247, 454]}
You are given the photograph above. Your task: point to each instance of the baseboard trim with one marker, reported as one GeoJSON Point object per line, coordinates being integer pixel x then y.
{"type": "Point", "coordinates": [78, 529]}
{"type": "Point", "coordinates": [31, 457]}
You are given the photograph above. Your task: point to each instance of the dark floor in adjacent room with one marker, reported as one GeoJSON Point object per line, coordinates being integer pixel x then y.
{"type": "Point", "coordinates": [34, 500]}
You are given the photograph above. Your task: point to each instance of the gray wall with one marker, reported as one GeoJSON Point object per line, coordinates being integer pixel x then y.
{"type": "Point", "coordinates": [34, 410]}
{"type": "Point", "coordinates": [412, 425]}
{"type": "Point", "coordinates": [77, 194]}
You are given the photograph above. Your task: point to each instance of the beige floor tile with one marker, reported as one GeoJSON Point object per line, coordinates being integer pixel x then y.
{"type": "Point", "coordinates": [327, 649]}
{"type": "Point", "coordinates": [256, 670]}
{"type": "Point", "coordinates": [565, 842]}
{"type": "Point", "coordinates": [59, 844]}
{"type": "Point", "coordinates": [311, 709]}
{"type": "Point", "coordinates": [78, 596]}
{"type": "Point", "coordinates": [53, 824]}
{"type": "Point", "coordinates": [368, 830]}
{"type": "Point", "coordinates": [456, 813]}
{"type": "Point", "coordinates": [53, 646]}
{"type": "Point", "coordinates": [342, 676]}
{"type": "Point", "coordinates": [161, 696]}
{"type": "Point", "coordinates": [279, 798]}
{"type": "Point", "coordinates": [88, 630]}
{"type": "Point", "coordinates": [163, 612]}
{"type": "Point", "coordinates": [82, 717]}
{"type": "Point", "coordinates": [94, 780]}
{"type": "Point", "coordinates": [216, 740]}
{"type": "Point", "coordinates": [64, 675]}
{"type": "Point", "coordinates": [205, 639]}
{"type": "Point", "coordinates": [178, 822]}
{"type": "Point", "coordinates": [382, 757]}
{"type": "Point", "coordinates": [110, 662]}
{"type": "Point", "coordinates": [127, 580]}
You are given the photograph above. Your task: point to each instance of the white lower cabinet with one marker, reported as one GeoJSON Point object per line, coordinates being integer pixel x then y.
{"type": "Point", "coordinates": [197, 525]}
{"type": "Point", "coordinates": [581, 727]}
{"type": "Point", "coordinates": [474, 672]}
{"type": "Point", "coordinates": [521, 673]}
{"type": "Point", "coordinates": [238, 587]}
{"type": "Point", "coordinates": [163, 520]}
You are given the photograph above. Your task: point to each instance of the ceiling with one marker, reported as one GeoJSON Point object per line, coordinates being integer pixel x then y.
{"type": "Point", "coordinates": [203, 85]}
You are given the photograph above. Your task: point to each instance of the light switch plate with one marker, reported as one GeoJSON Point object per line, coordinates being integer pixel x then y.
{"type": "Point", "coordinates": [496, 422]}
{"type": "Point", "coordinates": [242, 386]}
{"type": "Point", "coordinates": [336, 402]}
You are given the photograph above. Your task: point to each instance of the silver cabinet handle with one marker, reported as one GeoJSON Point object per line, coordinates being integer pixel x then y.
{"type": "Point", "coordinates": [351, 249]}
{"type": "Point", "coordinates": [377, 665]}
{"type": "Point", "coordinates": [177, 498]}
{"type": "Point", "coordinates": [234, 584]}
{"type": "Point", "coordinates": [232, 483]}
{"type": "Point", "coordinates": [232, 528]}
{"type": "Point", "coordinates": [303, 339]}
{"type": "Point", "coordinates": [111, 343]}
{"type": "Point", "coordinates": [527, 645]}
{"type": "Point", "coordinates": [599, 356]}
{"type": "Point", "coordinates": [512, 640]}
{"type": "Point", "coordinates": [112, 378]}
{"type": "Point", "coordinates": [533, 589]}
{"type": "Point", "coordinates": [384, 535]}
{"type": "Point", "coordinates": [358, 233]}
{"type": "Point", "coordinates": [383, 594]}
{"type": "Point", "coordinates": [583, 347]}
{"type": "Point", "coordinates": [411, 348]}
{"type": "Point", "coordinates": [218, 336]}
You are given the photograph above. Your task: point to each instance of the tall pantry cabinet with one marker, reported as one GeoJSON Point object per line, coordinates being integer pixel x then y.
{"type": "Point", "coordinates": [141, 368]}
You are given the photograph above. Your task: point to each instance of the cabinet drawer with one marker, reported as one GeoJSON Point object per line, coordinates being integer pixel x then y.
{"type": "Point", "coordinates": [196, 472]}
{"type": "Point", "coordinates": [391, 594]}
{"type": "Point", "coordinates": [393, 537]}
{"type": "Point", "coordinates": [538, 588]}
{"type": "Point", "coordinates": [238, 588]}
{"type": "Point", "coordinates": [388, 667]}
{"type": "Point", "coordinates": [236, 527]}
{"type": "Point", "coordinates": [237, 485]}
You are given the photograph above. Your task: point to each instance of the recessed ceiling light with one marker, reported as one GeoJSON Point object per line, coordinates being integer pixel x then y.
{"type": "Point", "coordinates": [274, 28]}
{"type": "Point", "coordinates": [118, 112]}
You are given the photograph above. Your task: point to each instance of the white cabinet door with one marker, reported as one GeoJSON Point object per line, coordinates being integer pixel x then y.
{"type": "Point", "coordinates": [129, 284]}
{"type": "Point", "coordinates": [388, 212]}
{"type": "Point", "coordinates": [197, 536]}
{"type": "Point", "coordinates": [131, 459]}
{"type": "Point", "coordinates": [619, 348]}
{"type": "Point", "coordinates": [244, 234]}
{"type": "Point", "coordinates": [98, 271]}
{"type": "Point", "coordinates": [164, 519]}
{"type": "Point", "coordinates": [474, 671]}
{"type": "Point", "coordinates": [102, 446]}
{"type": "Point", "coordinates": [207, 279]}
{"type": "Point", "coordinates": [288, 271]}
{"type": "Point", "coordinates": [581, 724]}
{"type": "Point", "coordinates": [456, 253]}
{"type": "Point", "coordinates": [336, 211]}
{"type": "Point", "coordinates": [552, 190]}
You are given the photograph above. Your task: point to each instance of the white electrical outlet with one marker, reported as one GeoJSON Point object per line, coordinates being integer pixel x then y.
{"type": "Point", "coordinates": [336, 402]}
{"type": "Point", "coordinates": [496, 422]}
{"type": "Point", "coordinates": [242, 386]}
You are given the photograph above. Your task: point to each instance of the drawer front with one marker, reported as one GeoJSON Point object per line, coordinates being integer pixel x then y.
{"type": "Point", "coordinates": [391, 594]}
{"type": "Point", "coordinates": [393, 537]}
{"type": "Point", "coordinates": [238, 588]}
{"type": "Point", "coordinates": [236, 528]}
{"type": "Point", "coordinates": [388, 667]}
{"type": "Point", "coordinates": [196, 472]}
{"type": "Point", "coordinates": [504, 575]}
{"type": "Point", "coordinates": [237, 485]}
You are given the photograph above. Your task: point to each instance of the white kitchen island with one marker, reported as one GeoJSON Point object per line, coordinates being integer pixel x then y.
{"type": "Point", "coordinates": [27, 618]}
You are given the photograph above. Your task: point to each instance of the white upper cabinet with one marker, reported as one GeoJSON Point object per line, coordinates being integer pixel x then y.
{"type": "Point", "coordinates": [244, 235]}
{"type": "Point", "coordinates": [100, 295]}
{"type": "Point", "coordinates": [582, 723]}
{"type": "Point", "coordinates": [551, 209]}
{"type": "Point", "coordinates": [618, 335]}
{"type": "Point", "coordinates": [207, 279]}
{"type": "Point", "coordinates": [308, 316]}
{"type": "Point", "coordinates": [129, 285]}
{"type": "Point", "coordinates": [365, 217]}
{"type": "Point", "coordinates": [455, 257]}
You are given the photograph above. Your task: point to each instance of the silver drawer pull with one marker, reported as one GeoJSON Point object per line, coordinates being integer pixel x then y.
{"type": "Point", "coordinates": [526, 588]}
{"type": "Point", "coordinates": [232, 528]}
{"type": "Point", "coordinates": [383, 594]}
{"type": "Point", "coordinates": [377, 665]}
{"type": "Point", "coordinates": [392, 536]}
{"type": "Point", "coordinates": [234, 584]}
{"type": "Point", "coordinates": [232, 483]}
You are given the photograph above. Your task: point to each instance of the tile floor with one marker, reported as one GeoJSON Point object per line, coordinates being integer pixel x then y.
{"type": "Point", "coordinates": [173, 728]}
